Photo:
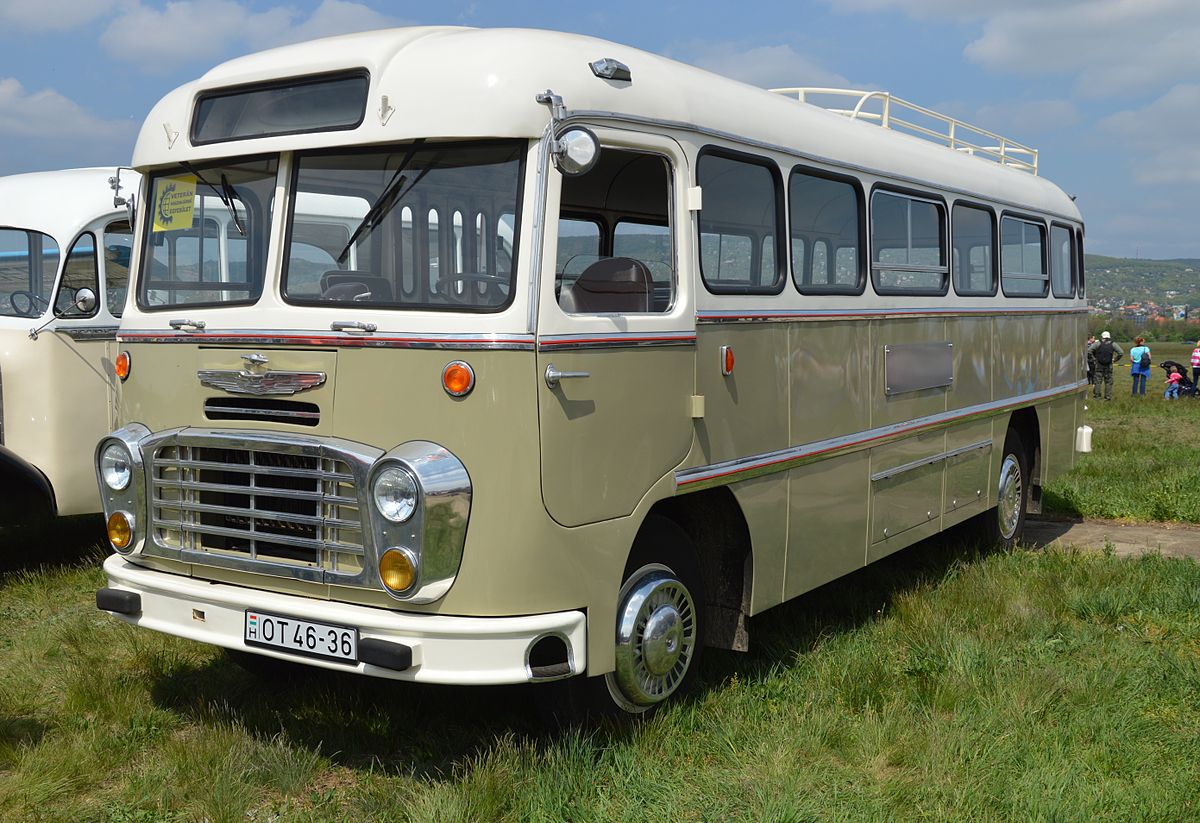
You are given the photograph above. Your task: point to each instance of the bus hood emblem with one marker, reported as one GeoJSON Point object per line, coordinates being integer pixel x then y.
{"type": "Point", "coordinates": [240, 381]}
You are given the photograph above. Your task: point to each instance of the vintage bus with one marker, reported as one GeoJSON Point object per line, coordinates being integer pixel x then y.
{"type": "Point", "coordinates": [65, 244]}
{"type": "Point", "coordinates": [617, 354]}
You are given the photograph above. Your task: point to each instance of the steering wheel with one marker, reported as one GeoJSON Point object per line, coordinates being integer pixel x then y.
{"type": "Point", "coordinates": [30, 310]}
{"type": "Point", "coordinates": [445, 284]}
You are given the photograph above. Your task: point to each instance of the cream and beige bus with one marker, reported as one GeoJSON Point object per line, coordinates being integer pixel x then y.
{"type": "Point", "coordinates": [595, 356]}
{"type": "Point", "coordinates": [65, 244]}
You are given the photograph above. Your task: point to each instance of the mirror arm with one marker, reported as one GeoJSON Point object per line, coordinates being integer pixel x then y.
{"type": "Point", "coordinates": [58, 315]}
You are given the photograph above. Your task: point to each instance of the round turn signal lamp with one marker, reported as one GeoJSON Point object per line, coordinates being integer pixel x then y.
{"type": "Point", "coordinates": [396, 570]}
{"type": "Point", "coordinates": [122, 366]}
{"type": "Point", "coordinates": [458, 378]}
{"type": "Point", "coordinates": [120, 530]}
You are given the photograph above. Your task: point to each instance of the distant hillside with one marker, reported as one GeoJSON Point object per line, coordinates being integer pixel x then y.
{"type": "Point", "coordinates": [1122, 280]}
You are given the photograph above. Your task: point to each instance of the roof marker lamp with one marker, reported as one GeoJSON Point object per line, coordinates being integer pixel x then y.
{"type": "Point", "coordinates": [116, 467]}
{"type": "Point", "coordinates": [396, 494]}
{"type": "Point", "coordinates": [575, 151]}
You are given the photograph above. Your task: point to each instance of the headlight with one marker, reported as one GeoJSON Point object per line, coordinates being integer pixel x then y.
{"type": "Point", "coordinates": [395, 493]}
{"type": "Point", "coordinates": [115, 467]}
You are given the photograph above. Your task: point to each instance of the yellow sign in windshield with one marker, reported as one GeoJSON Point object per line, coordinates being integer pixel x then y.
{"type": "Point", "coordinates": [174, 202]}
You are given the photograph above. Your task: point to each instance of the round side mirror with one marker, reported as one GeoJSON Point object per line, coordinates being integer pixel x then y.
{"type": "Point", "coordinates": [85, 300]}
{"type": "Point", "coordinates": [576, 151]}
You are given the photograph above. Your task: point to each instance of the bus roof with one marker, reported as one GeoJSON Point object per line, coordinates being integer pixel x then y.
{"type": "Point", "coordinates": [61, 203]}
{"type": "Point", "coordinates": [447, 82]}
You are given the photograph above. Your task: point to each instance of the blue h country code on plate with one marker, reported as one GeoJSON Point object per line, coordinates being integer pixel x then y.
{"type": "Point", "coordinates": [306, 637]}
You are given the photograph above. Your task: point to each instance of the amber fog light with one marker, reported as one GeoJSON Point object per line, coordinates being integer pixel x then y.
{"type": "Point", "coordinates": [397, 569]}
{"type": "Point", "coordinates": [458, 378]}
{"type": "Point", "coordinates": [120, 530]}
{"type": "Point", "coordinates": [122, 366]}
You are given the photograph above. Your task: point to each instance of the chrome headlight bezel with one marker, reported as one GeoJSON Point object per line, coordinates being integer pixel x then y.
{"type": "Point", "coordinates": [402, 480]}
{"type": "Point", "coordinates": [131, 498]}
{"type": "Point", "coordinates": [112, 473]}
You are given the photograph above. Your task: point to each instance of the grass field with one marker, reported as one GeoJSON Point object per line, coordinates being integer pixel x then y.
{"type": "Point", "coordinates": [1145, 463]}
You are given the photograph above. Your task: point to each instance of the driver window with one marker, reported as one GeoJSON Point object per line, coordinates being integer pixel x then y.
{"type": "Point", "coordinates": [79, 272]}
{"type": "Point", "coordinates": [615, 237]}
{"type": "Point", "coordinates": [118, 247]}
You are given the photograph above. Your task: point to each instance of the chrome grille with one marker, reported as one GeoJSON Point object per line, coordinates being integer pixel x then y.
{"type": "Point", "coordinates": [297, 508]}
{"type": "Point", "coordinates": [270, 410]}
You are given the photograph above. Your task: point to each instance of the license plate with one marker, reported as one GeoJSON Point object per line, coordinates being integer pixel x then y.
{"type": "Point", "coordinates": [305, 637]}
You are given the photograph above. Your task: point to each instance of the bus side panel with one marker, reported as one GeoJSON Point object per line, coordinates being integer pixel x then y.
{"type": "Point", "coordinates": [827, 534]}
{"type": "Point", "coordinates": [909, 500]}
{"type": "Point", "coordinates": [1065, 348]}
{"type": "Point", "coordinates": [1058, 447]}
{"type": "Point", "coordinates": [969, 474]}
{"type": "Point", "coordinates": [1021, 363]}
{"type": "Point", "coordinates": [764, 503]}
{"type": "Point", "coordinates": [973, 362]}
{"type": "Point", "coordinates": [899, 407]}
{"type": "Point", "coordinates": [830, 386]}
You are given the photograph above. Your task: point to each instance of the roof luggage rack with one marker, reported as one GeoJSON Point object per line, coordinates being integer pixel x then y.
{"type": "Point", "coordinates": [891, 112]}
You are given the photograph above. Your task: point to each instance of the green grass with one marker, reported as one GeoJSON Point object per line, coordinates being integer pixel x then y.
{"type": "Point", "coordinates": [939, 684]}
{"type": "Point", "coordinates": [1145, 463]}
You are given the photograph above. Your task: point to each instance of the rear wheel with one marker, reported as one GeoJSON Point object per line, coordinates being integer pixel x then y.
{"type": "Point", "coordinates": [1005, 524]}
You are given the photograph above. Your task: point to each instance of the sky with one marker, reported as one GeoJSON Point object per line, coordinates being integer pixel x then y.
{"type": "Point", "coordinates": [1107, 90]}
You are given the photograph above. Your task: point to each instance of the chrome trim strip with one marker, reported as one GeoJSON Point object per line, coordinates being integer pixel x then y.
{"type": "Point", "coordinates": [928, 461]}
{"type": "Point", "coordinates": [763, 315]}
{"type": "Point", "coordinates": [615, 340]}
{"type": "Point", "coordinates": [757, 465]}
{"type": "Point", "coordinates": [83, 333]}
{"type": "Point", "coordinates": [281, 471]}
{"type": "Point", "coordinates": [450, 342]}
{"type": "Point", "coordinates": [640, 120]}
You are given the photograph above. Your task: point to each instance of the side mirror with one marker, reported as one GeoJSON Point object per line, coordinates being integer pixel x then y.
{"type": "Point", "coordinates": [85, 300]}
{"type": "Point", "coordinates": [575, 151]}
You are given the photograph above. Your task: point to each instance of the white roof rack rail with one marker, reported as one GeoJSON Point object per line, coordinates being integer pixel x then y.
{"type": "Point", "coordinates": [891, 112]}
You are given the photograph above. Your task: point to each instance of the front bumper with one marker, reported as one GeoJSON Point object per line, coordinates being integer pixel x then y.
{"type": "Point", "coordinates": [445, 649]}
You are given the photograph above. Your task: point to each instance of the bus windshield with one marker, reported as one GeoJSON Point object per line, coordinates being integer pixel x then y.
{"type": "Point", "coordinates": [206, 242]}
{"type": "Point", "coordinates": [422, 226]}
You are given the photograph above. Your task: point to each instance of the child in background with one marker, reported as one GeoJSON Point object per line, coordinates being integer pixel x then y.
{"type": "Point", "coordinates": [1172, 381]}
{"type": "Point", "coordinates": [1195, 364]}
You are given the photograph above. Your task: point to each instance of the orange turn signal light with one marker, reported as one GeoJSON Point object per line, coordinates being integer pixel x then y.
{"type": "Point", "coordinates": [123, 365]}
{"type": "Point", "coordinates": [458, 378]}
{"type": "Point", "coordinates": [727, 360]}
{"type": "Point", "coordinates": [396, 570]}
{"type": "Point", "coordinates": [120, 530]}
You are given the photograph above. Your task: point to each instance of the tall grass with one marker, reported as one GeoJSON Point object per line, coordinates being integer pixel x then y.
{"type": "Point", "coordinates": [1145, 463]}
{"type": "Point", "coordinates": [941, 683]}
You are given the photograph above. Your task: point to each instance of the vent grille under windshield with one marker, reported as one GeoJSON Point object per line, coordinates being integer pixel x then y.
{"type": "Point", "coordinates": [262, 410]}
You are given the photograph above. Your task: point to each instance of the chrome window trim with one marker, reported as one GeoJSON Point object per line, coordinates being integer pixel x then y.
{"type": "Point", "coordinates": [89, 332]}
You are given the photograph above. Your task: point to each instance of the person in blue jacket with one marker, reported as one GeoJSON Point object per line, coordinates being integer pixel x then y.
{"type": "Point", "coordinates": [1139, 366]}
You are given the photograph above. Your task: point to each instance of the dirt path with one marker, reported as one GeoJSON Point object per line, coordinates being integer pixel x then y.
{"type": "Point", "coordinates": [1172, 539]}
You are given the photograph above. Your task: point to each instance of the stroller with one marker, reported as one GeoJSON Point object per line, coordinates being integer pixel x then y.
{"type": "Point", "coordinates": [1186, 387]}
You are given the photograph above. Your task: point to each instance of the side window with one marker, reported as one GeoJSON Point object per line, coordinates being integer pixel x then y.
{"type": "Point", "coordinates": [28, 265]}
{"type": "Point", "coordinates": [1022, 258]}
{"type": "Point", "coordinates": [631, 270]}
{"type": "Point", "coordinates": [908, 248]}
{"type": "Point", "coordinates": [974, 237]}
{"type": "Point", "coordinates": [118, 248]}
{"type": "Point", "coordinates": [79, 272]}
{"type": "Point", "coordinates": [740, 224]}
{"type": "Point", "coordinates": [1062, 261]}
{"type": "Point", "coordinates": [825, 211]}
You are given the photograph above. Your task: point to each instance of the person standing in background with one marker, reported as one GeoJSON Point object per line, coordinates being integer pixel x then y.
{"type": "Point", "coordinates": [1106, 353]}
{"type": "Point", "coordinates": [1196, 364]}
{"type": "Point", "coordinates": [1139, 366]}
{"type": "Point", "coordinates": [1091, 359]}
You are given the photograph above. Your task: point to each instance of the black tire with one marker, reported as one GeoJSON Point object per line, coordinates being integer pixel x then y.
{"type": "Point", "coordinates": [662, 586]}
{"type": "Point", "coordinates": [1004, 525]}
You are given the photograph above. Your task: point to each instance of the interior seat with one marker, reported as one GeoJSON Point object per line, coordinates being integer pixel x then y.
{"type": "Point", "coordinates": [614, 284]}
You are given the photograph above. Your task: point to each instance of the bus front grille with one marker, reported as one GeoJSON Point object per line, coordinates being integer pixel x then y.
{"type": "Point", "coordinates": [258, 505]}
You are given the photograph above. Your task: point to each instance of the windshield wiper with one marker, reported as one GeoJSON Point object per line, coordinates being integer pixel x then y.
{"type": "Point", "coordinates": [383, 204]}
{"type": "Point", "coordinates": [226, 193]}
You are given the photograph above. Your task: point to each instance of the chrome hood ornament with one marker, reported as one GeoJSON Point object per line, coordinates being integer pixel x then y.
{"type": "Point", "coordinates": [240, 381]}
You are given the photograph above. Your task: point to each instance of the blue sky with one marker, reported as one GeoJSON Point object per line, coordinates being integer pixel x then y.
{"type": "Point", "coordinates": [1108, 90]}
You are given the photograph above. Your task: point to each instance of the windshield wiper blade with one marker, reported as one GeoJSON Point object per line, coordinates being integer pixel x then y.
{"type": "Point", "coordinates": [226, 194]}
{"type": "Point", "coordinates": [383, 204]}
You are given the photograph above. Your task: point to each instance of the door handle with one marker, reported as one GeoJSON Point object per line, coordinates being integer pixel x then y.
{"type": "Point", "coordinates": [553, 375]}
{"type": "Point", "coordinates": [352, 325]}
{"type": "Point", "coordinates": [187, 325]}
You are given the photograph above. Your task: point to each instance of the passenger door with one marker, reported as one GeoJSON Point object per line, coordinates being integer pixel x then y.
{"type": "Point", "coordinates": [616, 331]}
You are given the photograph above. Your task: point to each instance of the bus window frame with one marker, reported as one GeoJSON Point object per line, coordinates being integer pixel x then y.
{"type": "Point", "coordinates": [782, 258]}
{"type": "Point", "coordinates": [62, 277]}
{"type": "Point", "coordinates": [860, 193]}
{"type": "Point", "coordinates": [975, 204]}
{"type": "Point", "coordinates": [912, 194]}
{"type": "Point", "coordinates": [1074, 263]}
{"type": "Point", "coordinates": [1080, 292]}
{"type": "Point", "coordinates": [1040, 222]}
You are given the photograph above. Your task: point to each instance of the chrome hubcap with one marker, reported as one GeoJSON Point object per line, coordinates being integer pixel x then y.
{"type": "Point", "coordinates": [656, 638]}
{"type": "Point", "coordinates": [1009, 508]}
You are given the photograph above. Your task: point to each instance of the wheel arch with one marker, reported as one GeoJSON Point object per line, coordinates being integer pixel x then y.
{"type": "Point", "coordinates": [1027, 424]}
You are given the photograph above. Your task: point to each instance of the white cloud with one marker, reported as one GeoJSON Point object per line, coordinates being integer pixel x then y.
{"type": "Point", "coordinates": [187, 31]}
{"type": "Point", "coordinates": [1161, 140]}
{"type": "Point", "coordinates": [1026, 118]}
{"type": "Point", "coordinates": [51, 15]}
{"type": "Point", "coordinates": [46, 114]}
{"type": "Point", "coordinates": [766, 66]}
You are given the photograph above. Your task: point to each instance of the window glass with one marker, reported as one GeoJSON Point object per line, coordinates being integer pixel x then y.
{"type": "Point", "coordinates": [28, 265]}
{"type": "Point", "coordinates": [739, 221]}
{"type": "Point", "coordinates": [410, 213]}
{"type": "Point", "coordinates": [1062, 261]}
{"type": "Point", "coordinates": [118, 250]}
{"type": "Point", "coordinates": [907, 245]}
{"type": "Point", "coordinates": [824, 214]}
{"type": "Point", "coordinates": [1022, 261]}
{"type": "Point", "coordinates": [315, 104]}
{"type": "Point", "coordinates": [633, 270]}
{"type": "Point", "coordinates": [80, 272]}
{"type": "Point", "coordinates": [193, 212]}
{"type": "Point", "coordinates": [974, 250]}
